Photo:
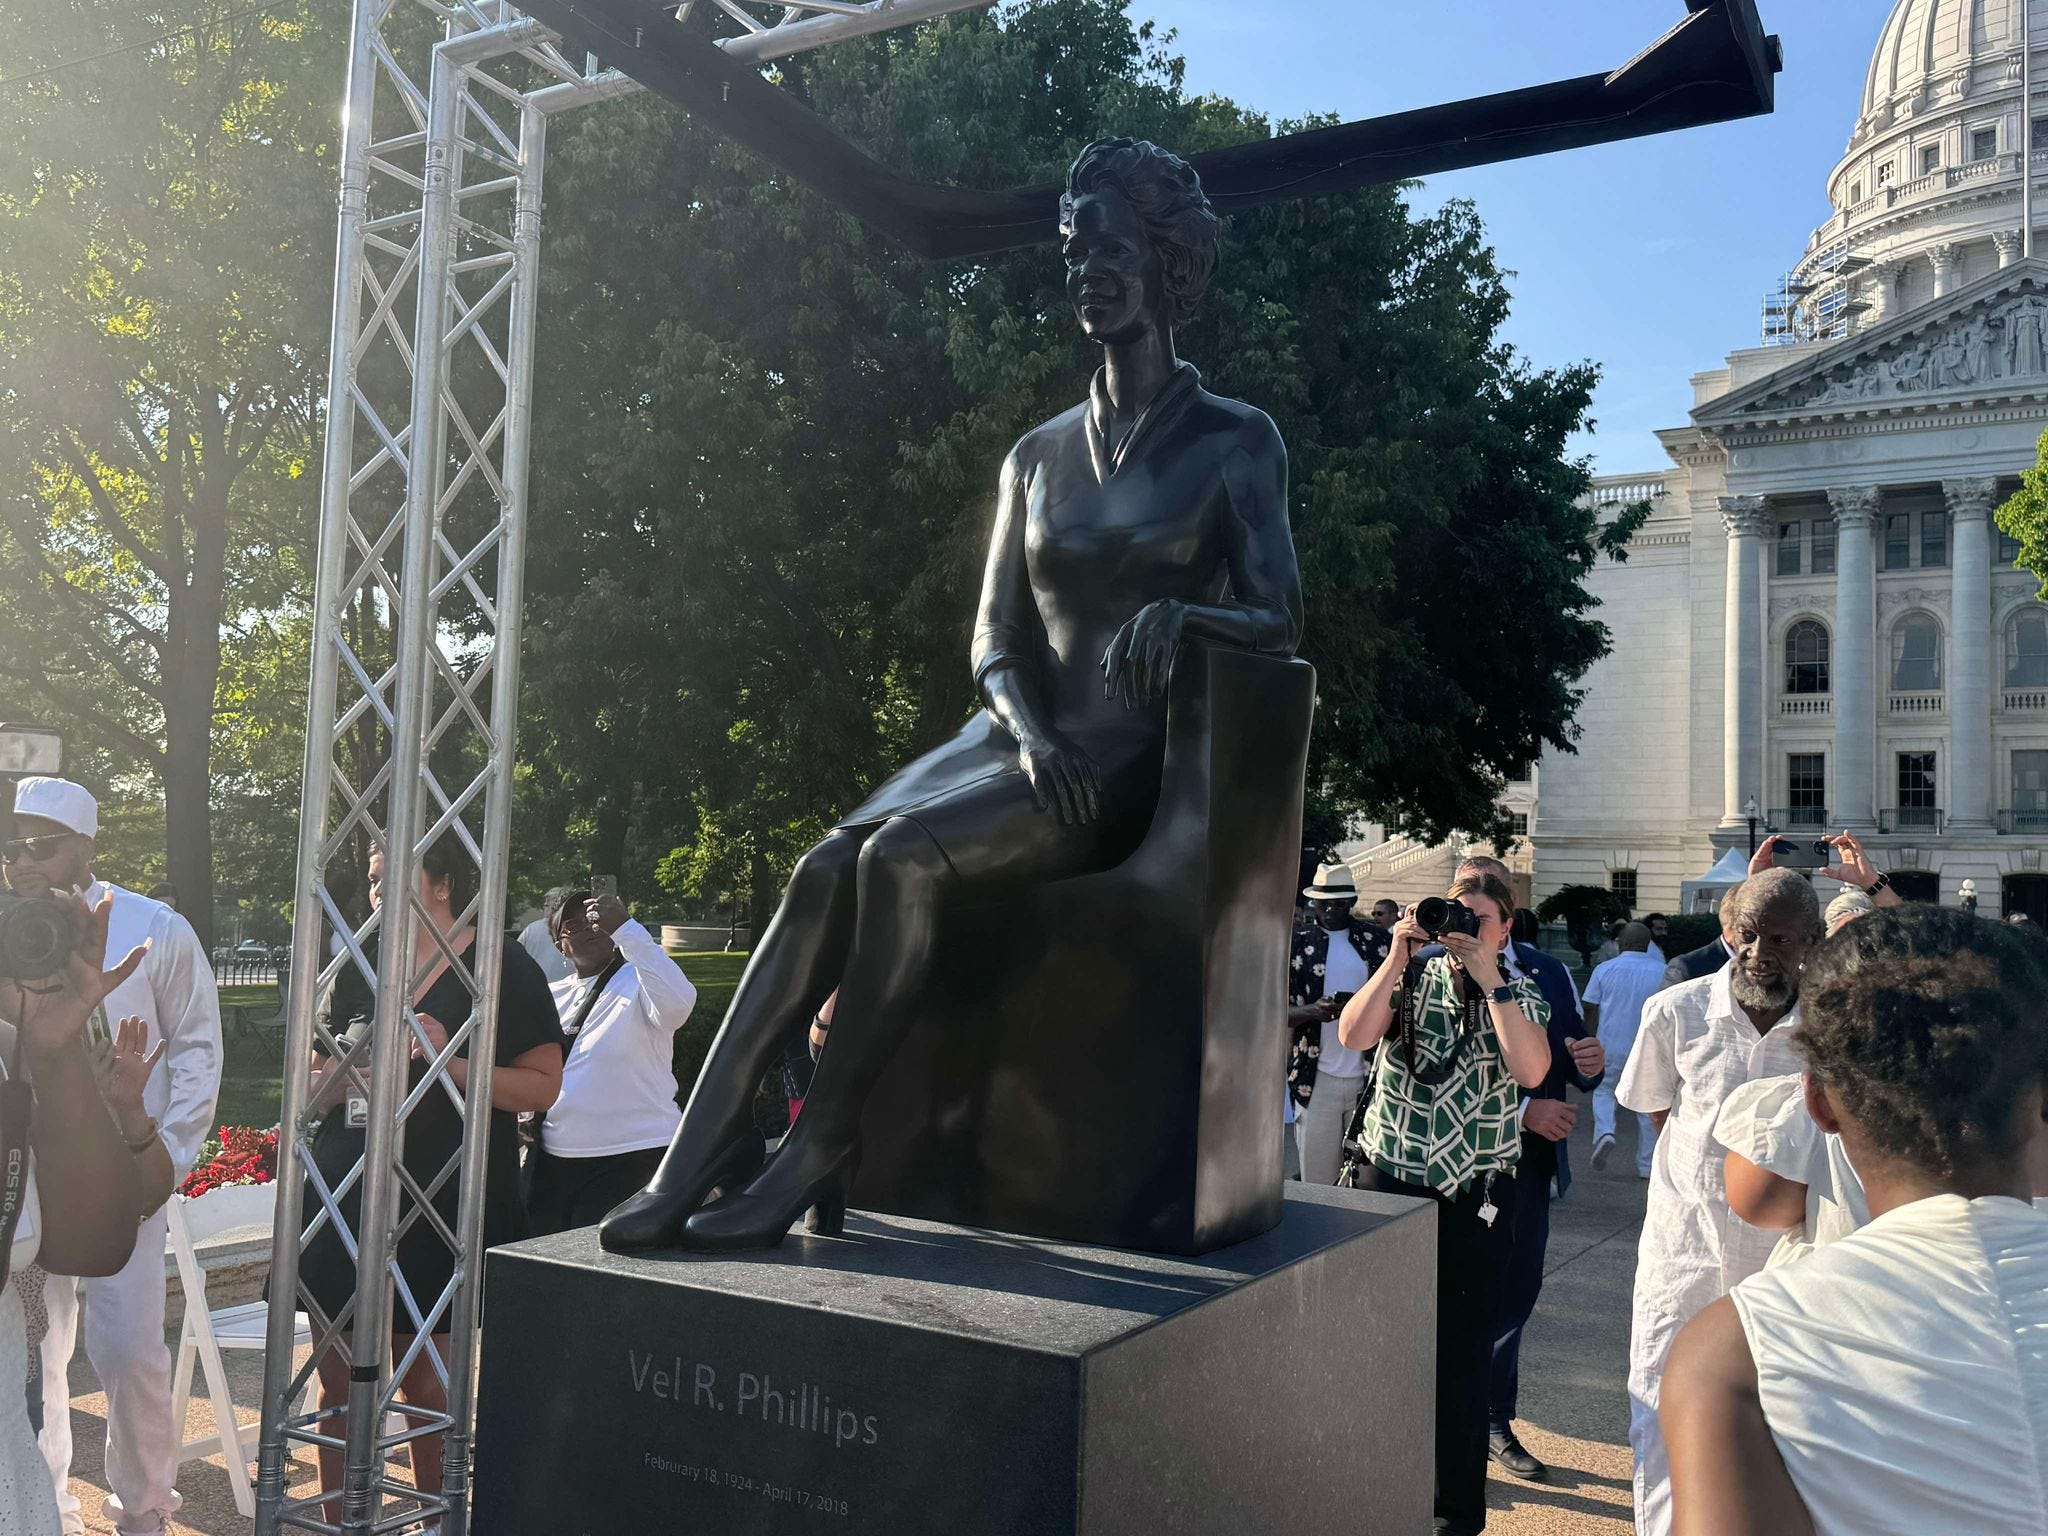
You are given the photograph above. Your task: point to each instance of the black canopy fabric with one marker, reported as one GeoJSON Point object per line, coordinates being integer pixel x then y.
{"type": "Point", "coordinates": [1716, 64]}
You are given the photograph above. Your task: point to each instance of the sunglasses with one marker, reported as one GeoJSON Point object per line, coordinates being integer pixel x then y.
{"type": "Point", "coordinates": [34, 849]}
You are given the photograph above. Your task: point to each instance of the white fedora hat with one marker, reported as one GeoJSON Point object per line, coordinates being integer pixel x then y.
{"type": "Point", "coordinates": [1333, 883]}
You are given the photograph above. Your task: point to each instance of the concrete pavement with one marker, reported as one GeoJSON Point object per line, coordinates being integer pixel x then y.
{"type": "Point", "coordinates": [1575, 1356]}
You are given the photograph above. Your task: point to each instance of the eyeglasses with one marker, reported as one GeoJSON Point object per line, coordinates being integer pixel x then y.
{"type": "Point", "coordinates": [34, 849]}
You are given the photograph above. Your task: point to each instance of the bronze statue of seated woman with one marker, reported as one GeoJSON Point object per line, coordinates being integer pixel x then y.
{"type": "Point", "coordinates": [1153, 511]}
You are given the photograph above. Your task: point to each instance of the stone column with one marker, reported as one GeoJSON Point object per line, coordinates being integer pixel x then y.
{"type": "Point", "coordinates": [1742, 665]}
{"type": "Point", "coordinates": [1970, 653]}
{"type": "Point", "coordinates": [1945, 259]}
{"type": "Point", "coordinates": [1852, 670]}
{"type": "Point", "coordinates": [1880, 290]}
{"type": "Point", "coordinates": [2007, 243]}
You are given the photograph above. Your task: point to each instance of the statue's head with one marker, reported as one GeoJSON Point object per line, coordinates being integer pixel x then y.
{"type": "Point", "coordinates": [1140, 239]}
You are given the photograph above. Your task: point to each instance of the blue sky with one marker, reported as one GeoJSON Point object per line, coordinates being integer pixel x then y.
{"type": "Point", "coordinates": [1649, 257]}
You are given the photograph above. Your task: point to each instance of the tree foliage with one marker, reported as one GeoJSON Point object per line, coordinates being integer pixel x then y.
{"type": "Point", "coordinates": [768, 441]}
{"type": "Point", "coordinates": [166, 217]}
{"type": "Point", "coordinates": [2024, 516]}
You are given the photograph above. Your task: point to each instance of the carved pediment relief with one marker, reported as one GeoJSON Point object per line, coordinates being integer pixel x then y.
{"type": "Point", "coordinates": [2000, 342]}
{"type": "Point", "coordinates": [1991, 337]}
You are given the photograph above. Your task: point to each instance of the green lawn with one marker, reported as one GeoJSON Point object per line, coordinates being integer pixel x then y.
{"type": "Point", "coordinates": [251, 1078]}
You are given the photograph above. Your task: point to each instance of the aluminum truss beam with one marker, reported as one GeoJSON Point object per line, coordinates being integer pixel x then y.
{"type": "Point", "coordinates": [413, 698]}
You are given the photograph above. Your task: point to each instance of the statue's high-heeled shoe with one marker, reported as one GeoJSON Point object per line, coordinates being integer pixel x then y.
{"type": "Point", "coordinates": [759, 1216]}
{"type": "Point", "coordinates": [655, 1217]}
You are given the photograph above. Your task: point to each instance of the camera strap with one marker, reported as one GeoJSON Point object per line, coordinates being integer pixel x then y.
{"type": "Point", "coordinates": [17, 1106]}
{"type": "Point", "coordinates": [1472, 1018]}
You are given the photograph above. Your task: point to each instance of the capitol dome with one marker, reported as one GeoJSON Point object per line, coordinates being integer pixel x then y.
{"type": "Point", "coordinates": [1929, 46]}
{"type": "Point", "coordinates": [1927, 195]}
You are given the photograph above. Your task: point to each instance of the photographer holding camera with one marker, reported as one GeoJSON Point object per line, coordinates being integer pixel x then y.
{"type": "Point", "coordinates": [51, 855]}
{"type": "Point", "coordinates": [81, 1165]}
{"type": "Point", "coordinates": [1462, 1040]}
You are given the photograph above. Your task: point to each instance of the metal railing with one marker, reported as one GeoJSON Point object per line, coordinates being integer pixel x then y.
{"type": "Point", "coordinates": [2023, 823]}
{"type": "Point", "coordinates": [1799, 816]}
{"type": "Point", "coordinates": [1911, 818]}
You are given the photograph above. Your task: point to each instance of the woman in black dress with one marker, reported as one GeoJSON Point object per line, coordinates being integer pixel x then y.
{"type": "Point", "coordinates": [1151, 512]}
{"type": "Point", "coordinates": [527, 1074]}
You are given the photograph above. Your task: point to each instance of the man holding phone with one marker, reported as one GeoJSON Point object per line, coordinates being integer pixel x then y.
{"type": "Point", "coordinates": [1331, 959]}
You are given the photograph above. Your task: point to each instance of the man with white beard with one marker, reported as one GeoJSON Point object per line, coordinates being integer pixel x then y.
{"type": "Point", "coordinates": [1698, 1043]}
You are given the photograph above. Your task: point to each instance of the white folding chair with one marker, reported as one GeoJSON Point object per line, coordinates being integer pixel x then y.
{"type": "Point", "coordinates": [208, 1331]}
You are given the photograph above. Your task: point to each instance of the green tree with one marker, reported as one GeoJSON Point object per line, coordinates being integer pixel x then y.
{"type": "Point", "coordinates": [768, 441]}
{"type": "Point", "coordinates": [166, 237]}
{"type": "Point", "coordinates": [2024, 516]}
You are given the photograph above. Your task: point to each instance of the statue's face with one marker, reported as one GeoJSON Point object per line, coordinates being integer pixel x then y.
{"type": "Point", "coordinates": [1113, 278]}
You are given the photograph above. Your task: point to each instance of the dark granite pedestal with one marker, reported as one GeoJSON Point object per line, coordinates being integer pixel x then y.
{"type": "Point", "coordinates": [912, 1379]}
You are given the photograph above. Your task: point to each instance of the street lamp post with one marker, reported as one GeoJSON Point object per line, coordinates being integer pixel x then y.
{"type": "Point", "coordinates": [1967, 892]}
{"type": "Point", "coordinates": [1750, 811]}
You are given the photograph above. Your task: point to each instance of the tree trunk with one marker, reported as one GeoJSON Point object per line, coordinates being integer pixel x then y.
{"type": "Point", "coordinates": [608, 843]}
{"type": "Point", "coordinates": [762, 894]}
{"type": "Point", "coordinates": [188, 792]}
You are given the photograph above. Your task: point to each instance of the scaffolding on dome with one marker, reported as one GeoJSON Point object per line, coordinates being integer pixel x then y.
{"type": "Point", "coordinates": [1815, 301]}
{"type": "Point", "coordinates": [417, 596]}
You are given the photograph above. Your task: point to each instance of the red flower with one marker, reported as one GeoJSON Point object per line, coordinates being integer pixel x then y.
{"type": "Point", "coordinates": [237, 1154]}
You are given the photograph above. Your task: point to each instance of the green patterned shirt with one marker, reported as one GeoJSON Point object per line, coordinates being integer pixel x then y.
{"type": "Point", "coordinates": [1446, 1136]}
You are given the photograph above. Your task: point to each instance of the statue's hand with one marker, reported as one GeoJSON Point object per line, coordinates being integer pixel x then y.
{"type": "Point", "coordinates": [1064, 779]}
{"type": "Point", "coordinates": [1135, 666]}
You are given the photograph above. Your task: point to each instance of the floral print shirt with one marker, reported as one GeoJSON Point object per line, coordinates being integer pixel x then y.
{"type": "Point", "coordinates": [1305, 985]}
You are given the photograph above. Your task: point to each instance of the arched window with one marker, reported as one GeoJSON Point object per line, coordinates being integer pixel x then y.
{"type": "Point", "coordinates": [1916, 654]}
{"type": "Point", "coordinates": [2026, 649]}
{"type": "Point", "coordinates": [1806, 657]}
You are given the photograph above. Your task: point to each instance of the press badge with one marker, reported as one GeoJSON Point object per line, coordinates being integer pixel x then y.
{"type": "Point", "coordinates": [358, 1113]}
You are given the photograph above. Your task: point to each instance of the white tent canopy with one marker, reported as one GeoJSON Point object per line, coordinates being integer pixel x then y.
{"type": "Point", "coordinates": [1704, 893]}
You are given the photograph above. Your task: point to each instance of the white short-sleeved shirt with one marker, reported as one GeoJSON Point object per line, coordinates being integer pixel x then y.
{"type": "Point", "coordinates": [1695, 1047]}
{"type": "Point", "coordinates": [1619, 988]}
{"type": "Point", "coordinates": [1767, 1122]}
{"type": "Point", "coordinates": [1904, 1371]}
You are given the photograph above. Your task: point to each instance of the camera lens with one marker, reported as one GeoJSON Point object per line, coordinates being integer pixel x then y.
{"type": "Point", "coordinates": [1820, 848]}
{"type": "Point", "coordinates": [35, 939]}
{"type": "Point", "coordinates": [1431, 913]}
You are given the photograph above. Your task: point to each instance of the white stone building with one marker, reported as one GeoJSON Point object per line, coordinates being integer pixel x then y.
{"type": "Point", "coordinates": [1820, 618]}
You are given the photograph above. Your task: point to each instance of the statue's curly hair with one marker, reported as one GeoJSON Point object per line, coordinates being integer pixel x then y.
{"type": "Point", "coordinates": [1926, 1024]}
{"type": "Point", "coordinates": [1167, 196]}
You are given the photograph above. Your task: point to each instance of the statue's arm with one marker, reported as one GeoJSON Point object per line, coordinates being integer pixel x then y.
{"type": "Point", "coordinates": [1006, 646]}
{"type": "Point", "coordinates": [1264, 613]}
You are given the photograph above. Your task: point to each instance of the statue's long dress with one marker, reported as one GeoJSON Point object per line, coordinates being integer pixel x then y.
{"type": "Point", "coordinates": [1191, 504]}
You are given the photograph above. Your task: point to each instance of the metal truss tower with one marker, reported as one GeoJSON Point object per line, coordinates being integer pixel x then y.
{"type": "Point", "coordinates": [414, 700]}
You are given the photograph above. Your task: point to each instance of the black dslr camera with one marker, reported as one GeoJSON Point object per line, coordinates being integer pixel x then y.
{"type": "Point", "coordinates": [1439, 917]}
{"type": "Point", "coordinates": [37, 936]}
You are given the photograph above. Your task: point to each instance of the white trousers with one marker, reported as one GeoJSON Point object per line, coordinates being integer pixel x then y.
{"type": "Point", "coordinates": [1603, 1124]}
{"type": "Point", "coordinates": [1321, 1126]}
{"type": "Point", "coordinates": [124, 1340]}
{"type": "Point", "coordinates": [1650, 1338]}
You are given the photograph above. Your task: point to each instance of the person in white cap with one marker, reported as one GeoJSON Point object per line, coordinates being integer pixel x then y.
{"type": "Point", "coordinates": [1332, 956]}
{"type": "Point", "coordinates": [55, 823]}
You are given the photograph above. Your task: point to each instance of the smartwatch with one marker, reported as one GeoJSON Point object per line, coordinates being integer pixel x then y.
{"type": "Point", "coordinates": [1877, 885]}
{"type": "Point", "coordinates": [1502, 994]}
